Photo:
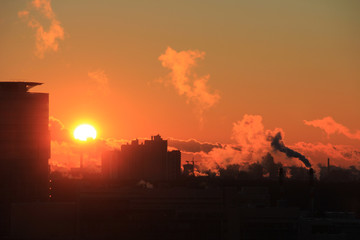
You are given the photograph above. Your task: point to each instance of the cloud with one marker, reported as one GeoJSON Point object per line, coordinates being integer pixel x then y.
{"type": "Point", "coordinates": [101, 80]}
{"type": "Point", "coordinates": [342, 155]}
{"type": "Point", "coordinates": [23, 14]}
{"type": "Point", "coordinates": [186, 82]}
{"type": "Point", "coordinates": [192, 145]}
{"type": "Point", "coordinates": [57, 130]}
{"type": "Point", "coordinates": [330, 126]}
{"type": "Point", "coordinates": [47, 38]}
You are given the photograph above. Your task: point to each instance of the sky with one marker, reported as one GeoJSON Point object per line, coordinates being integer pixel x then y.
{"type": "Point", "coordinates": [195, 69]}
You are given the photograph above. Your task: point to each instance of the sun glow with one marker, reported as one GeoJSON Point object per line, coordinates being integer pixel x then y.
{"type": "Point", "coordinates": [84, 131]}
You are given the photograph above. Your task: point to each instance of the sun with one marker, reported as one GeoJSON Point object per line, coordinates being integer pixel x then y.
{"type": "Point", "coordinates": [84, 131]}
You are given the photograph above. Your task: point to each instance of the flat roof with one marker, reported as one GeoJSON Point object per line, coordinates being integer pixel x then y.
{"type": "Point", "coordinates": [17, 86]}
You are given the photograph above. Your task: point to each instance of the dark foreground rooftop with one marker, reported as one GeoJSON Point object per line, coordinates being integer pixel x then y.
{"type": "Point", "coordinates": [17, 86]}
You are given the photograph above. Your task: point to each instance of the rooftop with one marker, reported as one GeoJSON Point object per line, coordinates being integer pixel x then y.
{"type": "Point", "coordinates": [17, 86]}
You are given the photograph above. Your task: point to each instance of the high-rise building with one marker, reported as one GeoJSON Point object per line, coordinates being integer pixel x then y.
{"type": "Point", "coordinates": [142, 161]}
{"type": "Point", "coordinates": [173, 164]}
{"type": "Point", "coordinates": [24, 142]}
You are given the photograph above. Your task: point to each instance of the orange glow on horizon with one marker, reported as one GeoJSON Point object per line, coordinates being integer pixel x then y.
{"type": "Point", "coordinates": [84, 131]}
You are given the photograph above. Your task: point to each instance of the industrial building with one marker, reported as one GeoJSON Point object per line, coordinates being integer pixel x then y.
{"type": "Point", "coordinates": [149, 161]}
{"type": "Point", "coordinates": [24, 142]}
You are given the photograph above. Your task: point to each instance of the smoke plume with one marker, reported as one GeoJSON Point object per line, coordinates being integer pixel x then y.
{"type": "Point", "coordinates": [278, 145]}
{"type": "Point", "coordinates": [186, 82]}
{"type": "Point", "coordinates": [330, 126]}
{"type": "Point", "coordinates": [251, 144]}
{"type": "Point", "coordinates": [47, 39]}
{"type": "Point", "coordinates": [251, 136]}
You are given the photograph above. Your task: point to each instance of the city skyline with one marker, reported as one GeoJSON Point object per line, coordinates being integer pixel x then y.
{"type": "Point", "coordinates": [195, 72]}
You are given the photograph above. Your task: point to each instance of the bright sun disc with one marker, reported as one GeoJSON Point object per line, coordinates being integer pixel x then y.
{"type": "Point", "coordinates": [84, 131]}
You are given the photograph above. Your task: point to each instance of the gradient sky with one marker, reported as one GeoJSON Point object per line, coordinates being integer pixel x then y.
{"type": "Point", "coordinates": [285, 60]}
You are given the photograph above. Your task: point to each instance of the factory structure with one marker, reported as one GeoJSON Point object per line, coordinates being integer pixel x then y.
{"type": "Point", "coordinates": [24, 142]}
{"type": "Point", "coordinates": [150, 161]}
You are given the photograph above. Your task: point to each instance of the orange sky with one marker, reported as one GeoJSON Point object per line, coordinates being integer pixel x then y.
{"type": "Point", "coordinates": [190, 69]}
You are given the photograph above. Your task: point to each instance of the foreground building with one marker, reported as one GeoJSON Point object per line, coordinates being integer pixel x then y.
{"type": "Point", "coordinates": [149, 161]}
{"type": "Point", "coordinates": [24, 142]}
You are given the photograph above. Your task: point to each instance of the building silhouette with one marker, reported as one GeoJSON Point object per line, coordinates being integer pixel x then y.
{"type": "Point", "coordinates": [24, 142]}
{"type": "Point", "coordinates": [149, 161]}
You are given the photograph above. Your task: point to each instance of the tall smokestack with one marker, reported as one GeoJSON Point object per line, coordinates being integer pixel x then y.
{"type": "Point", "coordinates": [328, 166]}
{"type": "Point", "coordinates": [311, 189]}
{"type": "Point", "coordinates": [281, 176]}
{"type": "Point", "coordinates": [311, 177]}
{"type": "Point", "coordinates": [282, 202]}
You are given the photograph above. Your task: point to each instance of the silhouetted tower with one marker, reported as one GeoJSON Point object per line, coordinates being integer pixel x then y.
{"type": "Point", "coordinates": [282, 202]}
{"type": "Point", "coordinates": [281, 176]}
{"type": "Point", "coordinates": [24, 142]}
{"type": "Point", "coordinates": [311, 189]}
{"type": "Point", "coordinates": [173, 164]}
{"type": "Point", "coordinates": [189, 168]}
{"type": "Point", "coordinates": [148, 161]}
{"type": "Point", "coordinates": [311, 177]}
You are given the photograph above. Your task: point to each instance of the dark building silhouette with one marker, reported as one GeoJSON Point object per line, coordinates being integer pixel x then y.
{"type": "Point", "coordinates": [149, 161]}
{"type": "Point", "coordinates": [189, 168]}
{"type": "Point", "coordinates": [173, 164]}
{"type": "Point", "coordinates": [24, 142]}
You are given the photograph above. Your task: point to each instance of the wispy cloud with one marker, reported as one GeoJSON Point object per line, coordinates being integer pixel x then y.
{"type": "Point", "coordinates": [101, 80]}
{"type": "Point", "coordinates": [58, 132]}
{"type": "Point", "coordinates": [341, 155]}
{"type": "Point", "coordinates": [193, 145]}
{"type": "Point", "coordinates": [330, 126]}
{"type": "Point", "coordinates": [47, 38]}
{"type": "Point", "coordinates": [186, 82]}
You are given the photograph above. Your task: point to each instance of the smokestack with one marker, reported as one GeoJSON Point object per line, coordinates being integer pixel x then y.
{"type": "Point", "coordinates": [311, 176]}
{"type": "Point", "coordinates": [281, 202]}
{"type": "Point", "coordinates": [281, 176]}
{"type": "Point", "coordinates": [328, 166]}
{"type": "Point", "coordinates": [311, 190]}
